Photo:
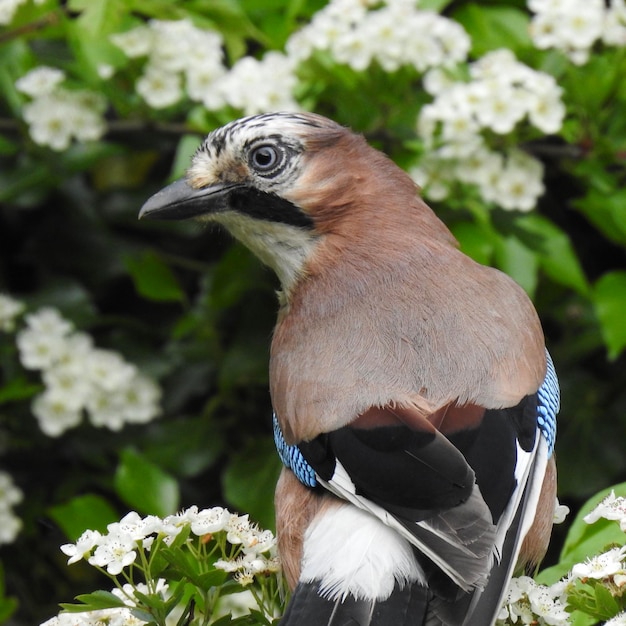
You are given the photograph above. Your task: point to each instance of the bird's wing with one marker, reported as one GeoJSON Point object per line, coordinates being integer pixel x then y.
{"type": "Point", "coordinates": [465, 500]}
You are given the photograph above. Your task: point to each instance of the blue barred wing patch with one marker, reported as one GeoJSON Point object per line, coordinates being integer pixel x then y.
{"type": "Point", "coordinates": [292, 457]}
{"type": "Point", "coordinates": [548, 404]}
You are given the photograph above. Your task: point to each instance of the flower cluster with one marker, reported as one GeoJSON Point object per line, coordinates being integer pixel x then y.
{"type": "Point", "coordinates": [528, 602]}
{"type": "Point", "coordinates": [254, 86]}
{"type": "Point", "coordinates": [216, 539]}
{"type": "Point", "coordinates": [574, 26]}
{"type": "Point", "coordinates": [10, 495]}
{"type": "Point", "coordinates": [394, 34]}
{"type": "Point", "coordinates": [183, 59]}
{"type": "Point", "coordinates": [79, 377]}
{"type": "Point", "coordinates": [57, 115]}
{"type": "Point", "coordinates": [501, 94]}
{"type": "Point", "coordinates": [118, 548]}
{"type": "Point", "coordinates": [179, 57]}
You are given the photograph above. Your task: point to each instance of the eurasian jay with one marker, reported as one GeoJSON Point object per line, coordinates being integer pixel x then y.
{"type": "Point", "coordinates": [414, 398]}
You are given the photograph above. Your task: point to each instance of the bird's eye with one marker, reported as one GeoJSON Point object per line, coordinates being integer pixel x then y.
{"type": "Point", "coordinates": [265, 158]}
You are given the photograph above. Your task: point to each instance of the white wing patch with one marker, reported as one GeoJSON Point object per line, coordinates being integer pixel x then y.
{"type": "Point", "coordinates": [347, 551]}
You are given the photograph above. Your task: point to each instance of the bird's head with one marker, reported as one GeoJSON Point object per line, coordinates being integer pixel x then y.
{"type": "Point", "coordinates": [283, 182]}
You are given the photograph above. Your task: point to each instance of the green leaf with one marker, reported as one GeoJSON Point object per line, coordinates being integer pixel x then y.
{"type": "Point", "coordinates": [493, 27]}
{"type": "Point", "coordinates": [557, 256]}
{"type": "Point", "coordinates": [8, 605]}
{"type": "Point", "coordinates": [145, 486]}
{"type": "Point", "coordinates": [606, 605]}
{"type": "Point", "coordinates": [518, 261]}
{"type": "Point", "coordinates": [153, 279]}
{"type": "Point", "coordinates": [18, 389]}
{"type": "Point", "coordinates": [88, 511]}
{"type": "Point", "coordinates": [213, 578]}
{"type": "Point", "coordinates": [474, 241]}
{"type": "Point", "coordinates": [250, 479]}
{"type": "Point", "coordinates": [186, 148]}
{"type": "Point", "coordinates": [94, 602]}
{"type": "Point", "coordinates": [605, 207]}
{"type": "Point", "coordinates": [609, 299]}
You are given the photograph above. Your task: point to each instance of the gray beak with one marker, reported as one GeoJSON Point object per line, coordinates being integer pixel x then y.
{"type": "Point", "coordinates": [179, 201]}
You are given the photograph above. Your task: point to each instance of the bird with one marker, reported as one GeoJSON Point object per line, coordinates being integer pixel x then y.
{"type": "Point", "coordinates": [414, 399]}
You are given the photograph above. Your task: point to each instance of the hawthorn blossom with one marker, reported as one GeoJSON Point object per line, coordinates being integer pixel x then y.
{"type": "Point", "coordinates": [81, 379]}
{"type": "Point", "coordinates": [393, 34]}
{"type": "Point", "coordinates": [575, 26]}
{"type": "Point", "coordinates": [256, 86]}
{"type": "Point", "coordinates": [181, 59]}
{"type": "Point", "coordinates": [501, 94]}
{"type": "Point", "coordinates": [611, 508]}
{"type": "Point", "coordinates": [602, 565]}
{"type": "Point", "coordinates": [528, 602]}
{"type": "Point", "coordinates": [10, 496]}
{"type": "Point", "coordinates": [56, 115]}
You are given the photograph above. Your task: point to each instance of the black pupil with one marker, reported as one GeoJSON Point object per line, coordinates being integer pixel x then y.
{"type": "Point", "coordinates": [264, 157]}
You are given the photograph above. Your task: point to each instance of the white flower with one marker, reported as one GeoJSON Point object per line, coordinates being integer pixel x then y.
{"type": "Point", "coordinates": [527, 600]}
{"type": "Point", "coordinates": [107, 369]}
{"type": "Point", "coordinates": [159, 88]}
{"type": "Point", "coordinates": [395, 34]}
{"type": "Point", "coordinates": [38, 349]}
{"type": "Point", "coordinates": [210, 521]}
{"type": "Point", "coordinates": [56, 412]}
{"type": "Point", "coordinates": [67, 382]}
{"type": "Point", "coordinates": [175, 50]}
{"type": "Point", "coordinates": [544, 605]}
{"type": "Point", "coordinates": [611, 508]}
{"type": "Point", "coordinates": [561, 511]}
{"type": "Point", "coordinates": [520, 183]}
{"type": "Point", "coordinates": [574, 26]}
{"type": "Point", "coordinates": [602, 565]}
{"type": "Point", "coordinates": [134, 43]}
{"type": "Point", "coordinates": [104, 409]}
{"type": "Point", "coordinates": [127, 592]}
{"type": "Point", "coordinates": [49, 321]}
{"type": "Point", "coordinates": [103, 617]}
{"type": "Point", "coordinates": [10, 495]}
{"type": "Point", "coordinates": [618, 620]}
{"type": "Point", "coordinates": [139, 399]}
{"type": "Point", "coordinates": [614, 33]}
{"type": "Point", "coordinates": [238, 529]}
{"type": "Point", "coordinates": [40, 81]}
{"type": "Point", "coordinates": [8, 9]}
{"type": "Point", "coordinates": [10, 309]}
{"type": "Point", "coordinates": [256, 86]}
{"type": "Point", "coordinates": [501, 110]}
{"type": "Point", "coordinates": [105, 71]}
{"type": "Point", "coordinates": [114, 551]}
{"type": "Point", "coordinates": [10, 526]}
{"type": "Point", "coordinates": [56, 118]}
{"type": "Point", "coordinates": [83, 546]}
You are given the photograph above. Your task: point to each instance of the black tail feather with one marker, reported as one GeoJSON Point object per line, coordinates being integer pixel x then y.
{"type": "Point", "coordinates": [405, 607]}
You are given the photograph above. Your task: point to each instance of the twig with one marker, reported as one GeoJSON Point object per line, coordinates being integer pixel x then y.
{"type": "Point", "coordinates": [43, 22]}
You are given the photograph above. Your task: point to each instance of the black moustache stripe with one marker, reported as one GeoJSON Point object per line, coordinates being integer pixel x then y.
{"type": "Point", "coordinates": [267, 206]}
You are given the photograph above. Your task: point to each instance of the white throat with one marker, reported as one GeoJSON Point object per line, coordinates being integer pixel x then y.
{"type": "Point", "coordinates": [282, 247]}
